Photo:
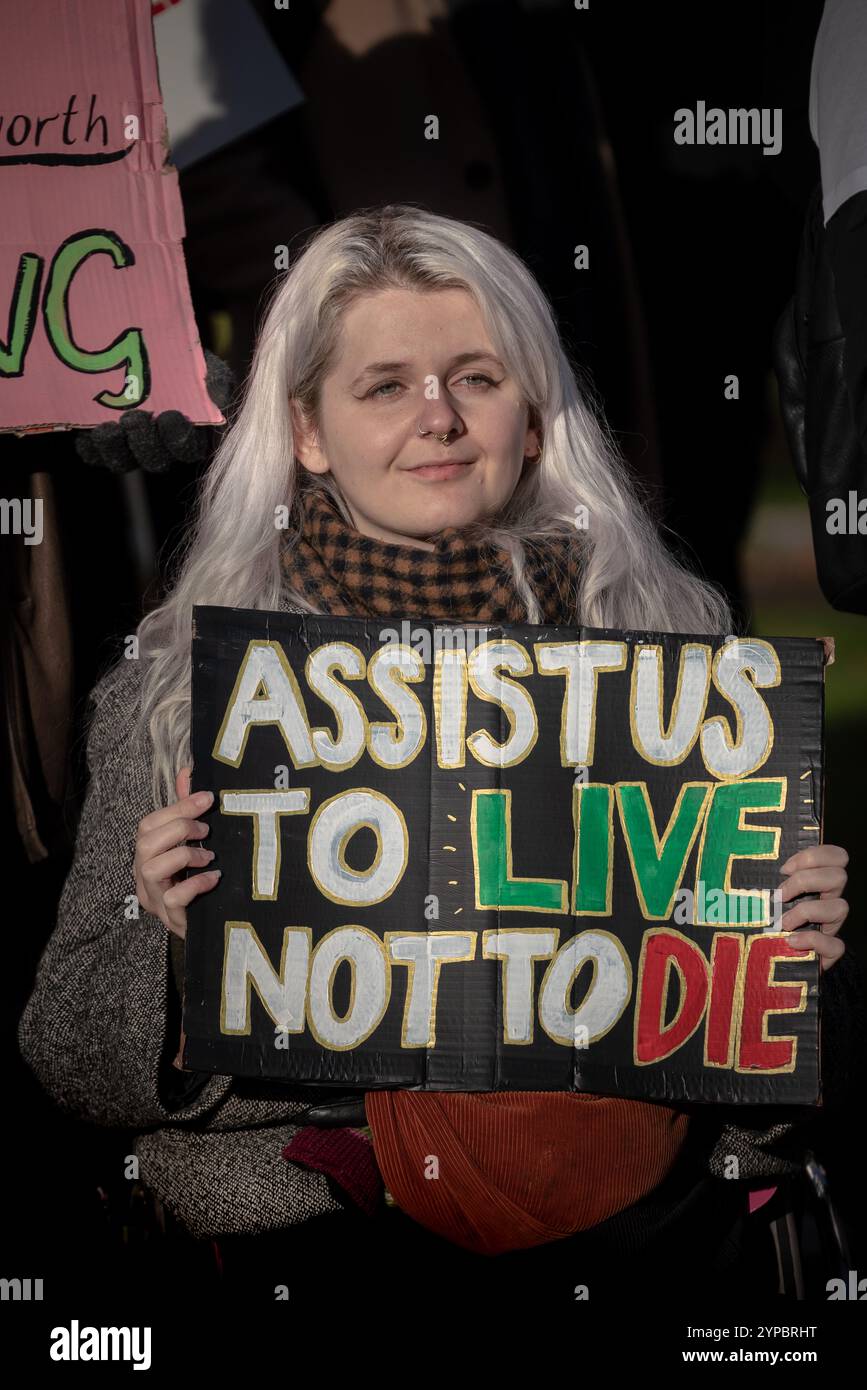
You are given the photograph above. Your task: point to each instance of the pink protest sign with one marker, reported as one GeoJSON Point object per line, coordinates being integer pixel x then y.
{"type": "Point", "coordinates": [91, 263]}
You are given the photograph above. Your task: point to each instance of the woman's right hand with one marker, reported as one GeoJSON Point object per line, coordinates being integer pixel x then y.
{"type": "Point", "coordinates": [161, 855]}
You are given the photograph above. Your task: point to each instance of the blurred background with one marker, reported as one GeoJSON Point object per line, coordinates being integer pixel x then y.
{"type": "Point", "coordinates": [555, 131]}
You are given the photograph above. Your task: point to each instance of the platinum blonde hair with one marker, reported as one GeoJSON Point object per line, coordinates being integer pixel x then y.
{"type": "Point", "coordinates": [231, 555]}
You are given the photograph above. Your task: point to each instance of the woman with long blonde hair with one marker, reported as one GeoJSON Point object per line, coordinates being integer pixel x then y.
{"type": "Point", "coordinates": [412, 441]}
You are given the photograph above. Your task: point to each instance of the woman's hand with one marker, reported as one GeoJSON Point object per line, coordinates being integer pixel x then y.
{"type": "Point", "coordinates": [140, 439]}
{"type": "Point", "coordinates": [161, 854]}
{"type": "Point", "coordinates": [820, 869]}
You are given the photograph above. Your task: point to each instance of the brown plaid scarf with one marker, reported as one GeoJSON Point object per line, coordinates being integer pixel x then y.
{"type": "Point", "coordinates": [465, 577]}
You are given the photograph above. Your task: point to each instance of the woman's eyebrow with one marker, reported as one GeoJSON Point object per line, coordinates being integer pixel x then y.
{"type": "Point", "coordinates": [374, 368]}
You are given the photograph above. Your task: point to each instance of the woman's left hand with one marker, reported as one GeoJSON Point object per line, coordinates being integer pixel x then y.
{"type": "Point", "coordinates": [820, 869]}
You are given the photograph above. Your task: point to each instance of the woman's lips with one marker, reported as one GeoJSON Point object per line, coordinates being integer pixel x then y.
{"type": "Point", "coordinates": [436, 472]}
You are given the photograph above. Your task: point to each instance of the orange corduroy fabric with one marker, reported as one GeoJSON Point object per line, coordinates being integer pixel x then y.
{"type": "Point", "coordinates": [518, 1168]}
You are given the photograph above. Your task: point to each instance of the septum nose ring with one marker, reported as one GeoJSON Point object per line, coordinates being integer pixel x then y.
{"type": "Point", "coordinates": [443, 438]}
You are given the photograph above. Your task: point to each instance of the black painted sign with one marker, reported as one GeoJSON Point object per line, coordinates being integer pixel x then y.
{"type": "Point", "coordinates": [505, 857]}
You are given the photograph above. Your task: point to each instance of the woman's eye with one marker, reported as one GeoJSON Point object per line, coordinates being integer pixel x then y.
{"type": "Point", "coordinates": [387, 390]}
{"type": "Point", "coordinates": [477, 377]}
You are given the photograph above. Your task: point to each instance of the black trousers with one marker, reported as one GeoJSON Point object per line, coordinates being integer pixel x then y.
{"type": "Point", "coordinates": [707, 1245]}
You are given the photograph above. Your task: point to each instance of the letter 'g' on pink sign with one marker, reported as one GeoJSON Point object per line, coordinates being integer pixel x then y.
{"type": "Point", "coordinates": [95, 312]}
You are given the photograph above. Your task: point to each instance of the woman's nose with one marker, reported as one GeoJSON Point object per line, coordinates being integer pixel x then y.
{"type": "Point", "coordinates": [440, 417]}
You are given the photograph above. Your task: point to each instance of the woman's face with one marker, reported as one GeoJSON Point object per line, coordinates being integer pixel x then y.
{"type": "Point", "coordinates": [410, 360]}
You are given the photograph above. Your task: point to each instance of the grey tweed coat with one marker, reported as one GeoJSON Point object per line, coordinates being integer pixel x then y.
{"type": "Point", "coordinates": [102, 1027]}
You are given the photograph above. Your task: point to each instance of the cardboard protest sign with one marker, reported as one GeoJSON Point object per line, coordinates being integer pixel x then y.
{"type": "Point", "coordinates": [512, 857]}
{"type": "Point", "coordinates": [98, 316]}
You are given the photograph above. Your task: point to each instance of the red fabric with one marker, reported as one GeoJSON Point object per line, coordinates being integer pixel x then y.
{"type": "Point", "coordinates": [759, 1196]}
{"type": "Point", "coordinates": [345, 1156]}
{"type": "Point", "coordinates": [518, 1168]}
